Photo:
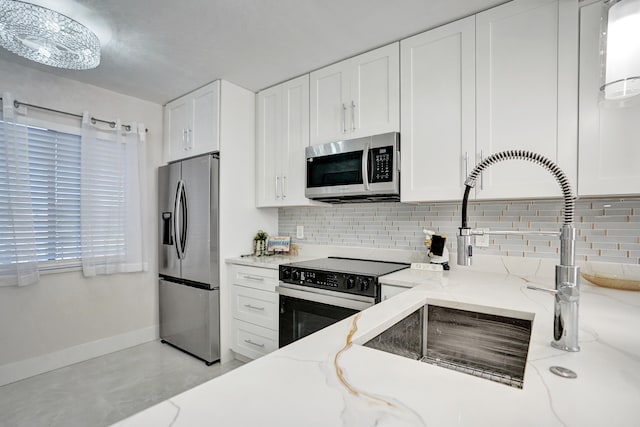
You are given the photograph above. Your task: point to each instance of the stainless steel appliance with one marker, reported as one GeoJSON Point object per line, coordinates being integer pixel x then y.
{"type": "Point", "coordinates": [356, 170]}
{"type": "Point", "coordinates": [188, 256]}
{"type": "Point", "coordinates": [317, 293]}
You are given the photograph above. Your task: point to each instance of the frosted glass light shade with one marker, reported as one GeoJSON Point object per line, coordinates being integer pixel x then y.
{"type": "Point", "coordinates": [620, 48]}
{"type": "Point", "coordinates": [47, 37]}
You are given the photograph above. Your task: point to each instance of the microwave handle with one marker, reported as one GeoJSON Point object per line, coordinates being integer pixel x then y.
{"type": "Point", "coordinates": [365, 166]}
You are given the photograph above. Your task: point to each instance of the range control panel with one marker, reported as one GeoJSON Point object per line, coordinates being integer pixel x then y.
{"type": "Point", "coordinates": [339, 282]}
{"type": "Point", "coordinates": [381, 164]}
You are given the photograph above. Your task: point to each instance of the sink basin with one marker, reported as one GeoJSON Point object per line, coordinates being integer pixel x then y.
{"type": "Point", "coordinates": [486, 342]}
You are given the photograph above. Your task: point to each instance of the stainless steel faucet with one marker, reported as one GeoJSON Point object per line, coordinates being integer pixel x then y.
{"type": "Point", "coordinates": [567, 289]}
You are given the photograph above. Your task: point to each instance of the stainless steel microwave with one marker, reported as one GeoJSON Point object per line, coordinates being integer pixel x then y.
{"type": "Point", "coordinates": [356, 170]}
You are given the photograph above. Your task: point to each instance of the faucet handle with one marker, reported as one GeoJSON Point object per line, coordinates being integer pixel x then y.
{"type": "Point", "coordinates": [547, 290]}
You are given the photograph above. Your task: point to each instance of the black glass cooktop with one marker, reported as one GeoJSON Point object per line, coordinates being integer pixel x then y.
{"type": "Point", "coordinates": [351, 266]}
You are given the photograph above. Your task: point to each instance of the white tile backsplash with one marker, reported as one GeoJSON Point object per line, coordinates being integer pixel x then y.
{"type": "Point", "coordinates": [607, 229]}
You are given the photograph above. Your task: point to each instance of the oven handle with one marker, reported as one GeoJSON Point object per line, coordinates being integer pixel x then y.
{"type": "Point", "coordinates": [309, 295]}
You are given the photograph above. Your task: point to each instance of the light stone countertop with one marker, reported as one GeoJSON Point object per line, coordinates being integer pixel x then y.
{"type": "Point", "coordinates": [272, 262]}
{"type": "Point", "coordinates": [320, 381]}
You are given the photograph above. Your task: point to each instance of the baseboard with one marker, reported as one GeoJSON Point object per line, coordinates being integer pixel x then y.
{"type": "Point", "coordinates": [22, 369]}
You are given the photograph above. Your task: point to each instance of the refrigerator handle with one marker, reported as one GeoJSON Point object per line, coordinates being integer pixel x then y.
{"type": "Point", "coordinates": [176, 219]}
{"type": "Point", "coordinates": [185, 220]}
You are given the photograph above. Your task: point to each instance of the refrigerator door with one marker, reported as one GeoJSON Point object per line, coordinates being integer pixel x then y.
{"type": "Point", "coordinates": [200, 257]}
{"type": "Point", "coordinates": [190, 320]}
{"type": "Point", "coordinates": [168, 183]}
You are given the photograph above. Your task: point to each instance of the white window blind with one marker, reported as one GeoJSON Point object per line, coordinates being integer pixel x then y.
{"type": "Point", "coordinates": [53, 171]}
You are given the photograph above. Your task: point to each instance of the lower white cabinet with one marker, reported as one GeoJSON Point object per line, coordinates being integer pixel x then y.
{"type": "Point", "coordinates": [254, 310]}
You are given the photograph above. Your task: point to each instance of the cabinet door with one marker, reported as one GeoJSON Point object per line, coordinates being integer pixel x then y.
{"type": "Point", "coordinates": [176, 123]}
{"type": "Point", "coordinates": [519, 63]}
{"type": "Point", "coordinates": [609, 152]}
{"type": "Point", "coordinates": [269, 123]}
{"type": "Point", "coordinates": [295, 138]}
{"type": "Point", "coordinates": [374, 105]}
{"type": "Point", "coordinates": [438, 112]}
{"type": "Point", "coordinates": [203, 135]}
{"type": "Point", "coordinates": [329, 98]}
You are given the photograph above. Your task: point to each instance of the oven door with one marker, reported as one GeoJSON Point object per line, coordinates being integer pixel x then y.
{"type": "Point", "coordinates": [304, 310]}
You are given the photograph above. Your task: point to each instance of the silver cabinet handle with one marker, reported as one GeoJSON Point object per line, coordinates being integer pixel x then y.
{"type": "Point", "coordinates": [254, 343]}
{"type": "Point", "coordinates": [253, 307]}
{"type": "Point", "coordinates": [481, 173]}
{"type": "Point", "coordinates": [344, 118]}
{"type": "Point", "coordinates": [184, 140]}
{"type": "Point", "coordinates": [284, 186]}
{"type": "Point", "coordinates": [465, 172]}
{"type": "Point", "coordinates": [277, 181]}
{"type": "Point", "coordinates": [256, 278]}
{"type": "Point", "coordinates": [189, 139]}
{"type": "Point", "coordinates": [353, 116]}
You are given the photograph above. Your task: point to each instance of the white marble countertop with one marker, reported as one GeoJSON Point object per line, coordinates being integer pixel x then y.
{"type": "Point", "coordinates": [271, 261]}
{"type": "Point", "coordinates": [321, 381]}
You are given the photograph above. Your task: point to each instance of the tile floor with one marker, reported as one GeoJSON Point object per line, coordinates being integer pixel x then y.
{"type": "Point", "coordinates": [101, 391]}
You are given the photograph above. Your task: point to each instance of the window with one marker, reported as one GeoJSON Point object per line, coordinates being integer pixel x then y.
{"type": "Point", "coordinates": [54, 181]}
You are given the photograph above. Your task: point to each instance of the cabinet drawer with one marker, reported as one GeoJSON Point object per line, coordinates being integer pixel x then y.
{"type": "Point", "coordinates": [253, 341]}
{"type": "Point", "coordinates": [258, 278]}
{"type": "Point", "coordinates": [255, 306]}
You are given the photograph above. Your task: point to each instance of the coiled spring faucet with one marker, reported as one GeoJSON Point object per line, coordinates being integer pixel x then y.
{"type": "Point", "coordinates": [567, 289]}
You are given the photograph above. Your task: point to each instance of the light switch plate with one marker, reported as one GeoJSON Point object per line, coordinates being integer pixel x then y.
{"type": "Point", "coordinates": [300, 232]}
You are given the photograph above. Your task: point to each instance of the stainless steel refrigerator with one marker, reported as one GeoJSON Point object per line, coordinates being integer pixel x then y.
{"type": "Point", "coordinates": [188, 199]}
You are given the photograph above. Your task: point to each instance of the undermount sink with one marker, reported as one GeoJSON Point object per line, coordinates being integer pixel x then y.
{"type": "Point", "coordinates": [486, 342]}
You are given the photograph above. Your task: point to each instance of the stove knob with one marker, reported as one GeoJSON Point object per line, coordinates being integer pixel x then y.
{"type": "Point", "coordinates": [286, 273]}
{"type": "Point", "coordinates": [364, 284]}
{"type": "Point", "coordinates": [296, 275]}
{"type": "Point", "coordinates": [351, 282]}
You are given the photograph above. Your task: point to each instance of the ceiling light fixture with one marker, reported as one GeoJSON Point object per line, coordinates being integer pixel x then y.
{"type": "Point", "coordinates": [620, 49]}
{"type": "Point", "coordinates": [46, 36]}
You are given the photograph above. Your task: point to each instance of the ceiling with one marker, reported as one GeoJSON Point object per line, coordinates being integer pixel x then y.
{"type": "Point", "coordinates": [160, 49]}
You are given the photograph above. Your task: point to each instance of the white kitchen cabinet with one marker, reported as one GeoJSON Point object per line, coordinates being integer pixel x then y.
{"type": "Point", "coordinates": [438, 112]}
{"type": "Point", "coordinates": [282, 136]}
{"type": "Point", "coordinates": [254, 310]}
{"type": "Point", "coordinates": [192, 123]}
{"type": "Point", "coordinates": [609, 152]}
{"type": "Point", "coordinates": [526, 87]}
{"type": "Point", "coordinates": [357, 97]}
{"type": "Point", "coordinates": [503, 79]}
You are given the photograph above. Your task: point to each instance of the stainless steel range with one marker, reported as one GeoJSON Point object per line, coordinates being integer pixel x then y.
{"type": "Point", "coordinates": [317, 293]}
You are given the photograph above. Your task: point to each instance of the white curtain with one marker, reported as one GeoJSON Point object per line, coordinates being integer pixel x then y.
{"type": "Point", "coordinates": [18, 258]}
{"type": "Point", "coordinates": [113, 198]}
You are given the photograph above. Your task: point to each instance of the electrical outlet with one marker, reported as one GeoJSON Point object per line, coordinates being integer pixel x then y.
{"type": "Point", "coordinates": [482, 241]}
{"type": "Point", "coordinates": [424, 266]}
{"type": "Point", "coordinates": [300, 232]}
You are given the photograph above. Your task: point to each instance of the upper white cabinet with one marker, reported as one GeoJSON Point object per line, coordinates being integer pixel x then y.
{"type": "Point", "coordinates": [608, 135]}
{"type": "Point", "coordinates": [438, 112]}
{"type": "Point", "coordinates": [526, 91]}
{"type": "Point", "coordinates": [192, 123]}
{"type": "Point", "coordinates": [282, 136]}
{"type": "Point", "coordinates": [504, 79]}
{"type": "Point", "coordinates": [356, 97]}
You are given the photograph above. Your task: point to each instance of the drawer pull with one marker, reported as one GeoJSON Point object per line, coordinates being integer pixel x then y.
{"type": "Point", "coordinates": [253, 307]}
{"type": "Point", "coordinates": [254, 343]}
{"type": "Point", "coordinates": [256, 278]}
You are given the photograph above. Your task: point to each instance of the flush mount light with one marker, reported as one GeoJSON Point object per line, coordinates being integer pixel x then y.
{"type": "Point", "coordinates": [620, 49]}
{"type": "Point", "coordinates": [46, 36]}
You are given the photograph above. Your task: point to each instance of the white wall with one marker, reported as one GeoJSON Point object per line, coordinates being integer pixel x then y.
{"type": "Point", "coordinates": [65, 317]}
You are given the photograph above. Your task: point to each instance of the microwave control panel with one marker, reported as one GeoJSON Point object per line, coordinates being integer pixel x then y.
{"type": "Point", "coordinates": [381, 164]}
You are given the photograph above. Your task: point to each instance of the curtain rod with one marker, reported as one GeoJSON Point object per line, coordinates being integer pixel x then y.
{"type": "Point", "coordinates": [112, 124]}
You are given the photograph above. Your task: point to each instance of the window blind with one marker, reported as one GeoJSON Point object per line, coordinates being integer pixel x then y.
{"type": "Point", "coordinates": [53, 172]}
